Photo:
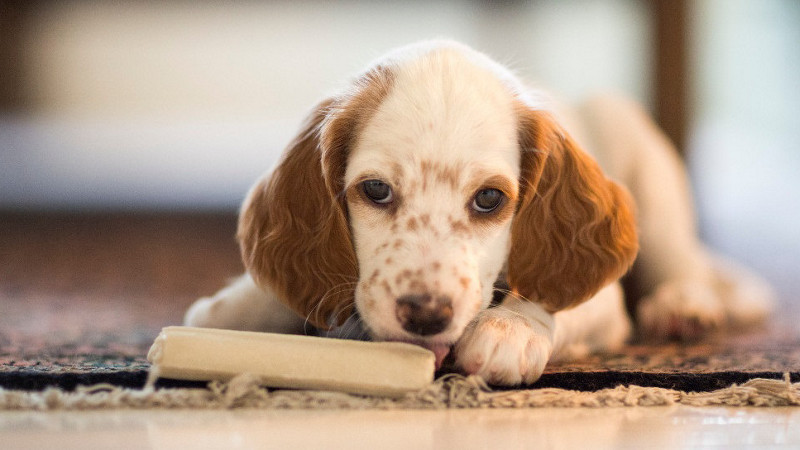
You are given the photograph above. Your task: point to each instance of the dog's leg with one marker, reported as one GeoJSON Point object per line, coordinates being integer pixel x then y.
{"type": "Point", "coordinates": [686, 293]}
{"type": "Point", "coordinates": [244, 306]}
{"type": "Point", "coordinates": [598, 325]}
{"type": "Point", "coordinates": [512, 343]}
{"type": "Point", "coordinates": [507, 345]}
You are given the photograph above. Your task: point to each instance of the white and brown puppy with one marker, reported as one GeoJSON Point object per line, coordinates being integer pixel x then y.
{"type": "Point", "coordinates": [436, 174]}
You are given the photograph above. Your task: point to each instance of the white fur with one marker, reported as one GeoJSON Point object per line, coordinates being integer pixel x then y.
{"type": "Point", "coordinates": [244, 306]}
{"type": "Point", "coordinates": [456, 110]}
{"type": "Point", "coordinates": [477, 143]}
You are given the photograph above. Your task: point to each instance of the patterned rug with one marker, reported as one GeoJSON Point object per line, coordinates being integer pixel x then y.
{"type": "Point", "coordinates": [83, 297]}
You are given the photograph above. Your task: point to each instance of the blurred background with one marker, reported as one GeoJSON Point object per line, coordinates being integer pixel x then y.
{"type": "Point", "coordinates": [158, 107]}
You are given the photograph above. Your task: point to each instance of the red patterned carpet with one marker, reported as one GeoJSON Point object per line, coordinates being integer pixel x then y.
{"type": "Point", "coordinates": [87, 294]}
{"type": "Point", "coordinates": [83, 296]}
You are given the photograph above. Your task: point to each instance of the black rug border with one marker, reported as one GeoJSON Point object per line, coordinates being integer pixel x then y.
{"type": "Point", "coordinates": [574, 381]}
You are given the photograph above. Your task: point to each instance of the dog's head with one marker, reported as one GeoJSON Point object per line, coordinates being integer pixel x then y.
{"type": "Point", "coordinates": [409, 195]}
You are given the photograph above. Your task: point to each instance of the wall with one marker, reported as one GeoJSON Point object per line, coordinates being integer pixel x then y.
{"type": "Point", "coordinates": [183, 104]}
{"type": "Point", "coordinates": [745, 151]}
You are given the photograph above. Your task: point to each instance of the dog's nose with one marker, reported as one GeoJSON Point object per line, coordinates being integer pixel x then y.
{"type": "Point", "coordinates": [423, 314]}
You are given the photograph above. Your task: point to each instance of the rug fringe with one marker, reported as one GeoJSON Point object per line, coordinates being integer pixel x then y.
{"type": "Point", "coordinates": [451, 391]}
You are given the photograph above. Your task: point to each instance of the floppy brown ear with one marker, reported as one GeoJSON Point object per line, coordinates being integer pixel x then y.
{"type": "Point", "coordinates": [293, 229]}
{"type": "Point", "coordinates": [574, 231]}
{"type": "Point", "coordinates": [294, 235]}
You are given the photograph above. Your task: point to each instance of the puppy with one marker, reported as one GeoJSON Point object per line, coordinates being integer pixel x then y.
{"type": "Point", "coordinates": [436, 182]}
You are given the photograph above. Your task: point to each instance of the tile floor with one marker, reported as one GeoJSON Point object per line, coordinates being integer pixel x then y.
{"type": "Point", "coordinates": [675, 427]}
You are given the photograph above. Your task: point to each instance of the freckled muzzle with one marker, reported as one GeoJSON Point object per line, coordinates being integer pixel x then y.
{"type": "Point", "coordinates": [424, 314]}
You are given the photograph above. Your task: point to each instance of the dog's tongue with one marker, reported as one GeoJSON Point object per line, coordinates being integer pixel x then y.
{"type": "Point", "coordinates": [441, 351]}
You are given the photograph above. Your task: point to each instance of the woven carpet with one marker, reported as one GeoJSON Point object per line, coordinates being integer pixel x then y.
{"type": "Point", "coordinates": [83, 296]}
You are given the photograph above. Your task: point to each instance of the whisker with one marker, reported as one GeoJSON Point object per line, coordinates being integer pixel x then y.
{"type": "Point", "coordinates": [364, 334]}
{"type": "Point", "coordinates": [329, 295]}
{"type": "Point", "coordinates": [515, 295]}
{"type": "Point", "coordinates": [351, 326]}
{"type": "Point", "coordinates": [341, 309]}
{"type": "Point", "coordinates": [359, 323]}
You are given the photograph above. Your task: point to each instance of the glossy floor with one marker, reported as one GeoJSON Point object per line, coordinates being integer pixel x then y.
{"type": "Point", "coordinates": [610, 428]}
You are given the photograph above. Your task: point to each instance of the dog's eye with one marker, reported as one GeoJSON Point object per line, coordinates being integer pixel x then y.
{"type": "Point", "coordinates": [487, 200]}
{"type": "Point", "coordinates": [377, 191]}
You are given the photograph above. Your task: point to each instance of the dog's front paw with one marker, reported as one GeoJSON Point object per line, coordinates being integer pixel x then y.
{"type": "Point", "coordinates": [504, 347]}
{"type": "Point", "coordinates": [684, 310]}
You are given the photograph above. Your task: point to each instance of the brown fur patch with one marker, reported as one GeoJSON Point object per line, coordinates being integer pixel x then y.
{"type": "Point", "coordinates": [293, 229]}
{"type": "Point", "coordinates": [411, 225]}
{"type": "Point", "coordinates": [574, 230]}
{"type": "Point", "coordinates": [293, 233]}
{"type": "Point", "coordinates": [346, 119]}
{"type": "Point", "coordinates": [460, 228]}
{"type": "Point", "coordinates": [440, 173]}
{"type": "Point", "coordinates": [497, 323]}
{"type": "Point", "coordinates": [405, 275]}
{"type": "Point", "coordinates": [425, 219]}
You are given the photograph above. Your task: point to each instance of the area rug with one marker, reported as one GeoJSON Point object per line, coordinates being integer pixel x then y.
{"type": "Point", "coordinates": [447, 392]}
{"type": "Point", "coordinates": [83, 296]}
